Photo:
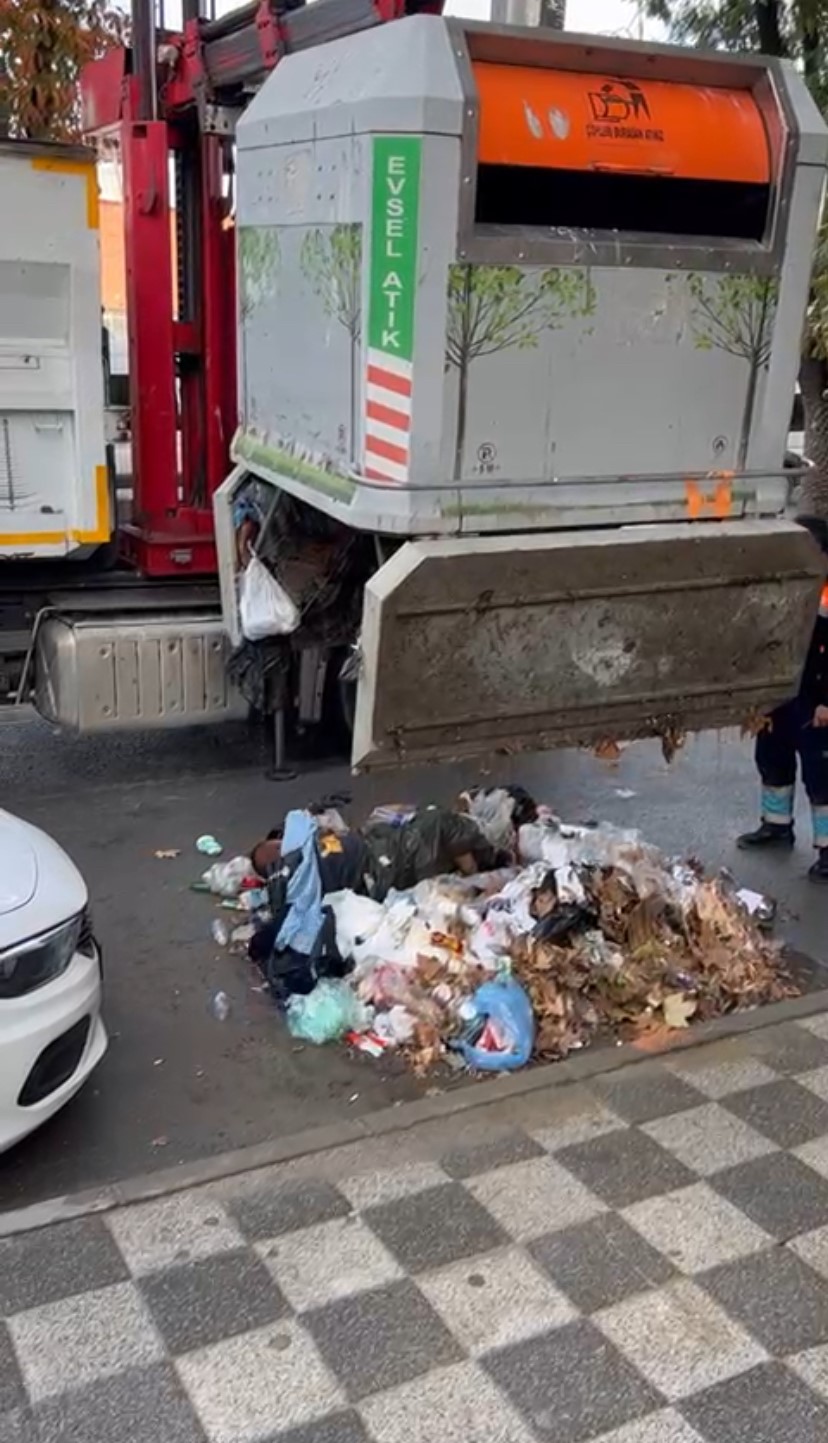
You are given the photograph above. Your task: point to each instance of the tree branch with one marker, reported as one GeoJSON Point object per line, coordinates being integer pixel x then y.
{"type": "Point", "coordinates": [769, 25]}
{"type": "Point", "coordinates": [812, 56]}
{"type": "Point", "coordinates": [721, 334]}
{"type": "Point", "coordinates": [501, 331]}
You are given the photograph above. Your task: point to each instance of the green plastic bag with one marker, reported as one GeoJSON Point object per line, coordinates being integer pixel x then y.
{"type": "Point", "coordinates": [326, 1013]}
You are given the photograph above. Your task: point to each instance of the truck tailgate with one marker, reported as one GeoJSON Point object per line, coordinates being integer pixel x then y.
{"type": "Point", "coordinates": [533, 641]}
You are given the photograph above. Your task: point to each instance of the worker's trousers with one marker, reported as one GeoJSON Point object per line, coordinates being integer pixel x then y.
{"type": "Point", "coordinates": [789, 736]}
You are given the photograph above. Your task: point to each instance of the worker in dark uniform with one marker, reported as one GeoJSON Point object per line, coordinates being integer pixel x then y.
{"type": "Point", "coordinates": [795, 732]}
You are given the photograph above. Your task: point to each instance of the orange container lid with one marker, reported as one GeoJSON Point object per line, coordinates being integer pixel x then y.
{"type": "Point", "coordinates": [568, 120]}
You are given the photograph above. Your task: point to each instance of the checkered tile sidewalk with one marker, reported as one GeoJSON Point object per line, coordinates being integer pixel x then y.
{"type": "Point", "coordinates": [651, 1268]}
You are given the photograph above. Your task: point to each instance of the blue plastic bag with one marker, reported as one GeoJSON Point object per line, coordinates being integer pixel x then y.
{"type": "Point", "coordinates": [506, 1005]}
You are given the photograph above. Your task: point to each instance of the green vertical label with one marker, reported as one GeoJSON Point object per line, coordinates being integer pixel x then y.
{"type": "Point", "coordinates": [394, 222]}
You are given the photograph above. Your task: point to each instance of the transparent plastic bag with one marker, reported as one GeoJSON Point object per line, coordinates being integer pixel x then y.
{"type": "Point", "coordinates": [225, 878]}
{"type": "Point", "coordinates": [492, 938]}
{"type": "Point", "coordinates": [493, 812]}
{"type": "Point", "coordinates": [326, 1013]}
{"type": "Point", "coordinates": [265, 608]}
{"type": "Point", "coordinates": [396, 1027]}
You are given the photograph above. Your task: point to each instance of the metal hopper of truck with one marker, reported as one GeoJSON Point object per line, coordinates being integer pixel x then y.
{"type": "Point", "coordinates": [516, 333]}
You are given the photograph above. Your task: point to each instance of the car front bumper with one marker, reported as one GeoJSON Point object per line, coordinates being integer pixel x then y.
{"type": "Point", "coordinates": [50, 1041]}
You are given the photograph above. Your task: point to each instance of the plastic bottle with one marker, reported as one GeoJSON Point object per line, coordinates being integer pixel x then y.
{"type": "Point", "coordinates": [220, 933]}
{"type": "Point", "coordinates": [220, 1006]}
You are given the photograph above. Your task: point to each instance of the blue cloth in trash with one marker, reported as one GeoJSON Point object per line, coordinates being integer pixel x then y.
{"type": "Point", "coordinates": [245, 510]}
{"type": "Point", "coordinates": [303, 922]}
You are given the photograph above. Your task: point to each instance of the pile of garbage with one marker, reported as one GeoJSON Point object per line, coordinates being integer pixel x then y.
{"type": "Point", "coordinates": [589, 933]}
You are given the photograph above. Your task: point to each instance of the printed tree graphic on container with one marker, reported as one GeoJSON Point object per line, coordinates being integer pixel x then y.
{"type": "Point", "coordinates": [735, 314]}
{"type": "Point", "coordinates": [503, 308]}
{"type": "Point", "coordinates": [332, 265]}
{"type": "Point", "coordinates": [259, 261]}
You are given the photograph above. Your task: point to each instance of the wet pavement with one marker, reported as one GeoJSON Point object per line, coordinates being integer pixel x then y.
{"type": "Point", "coordinates": [177, 1084]}
{"type": "Point", "coordinates": [640, 1260]}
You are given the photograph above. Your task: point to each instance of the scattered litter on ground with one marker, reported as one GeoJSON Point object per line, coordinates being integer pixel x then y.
{"type": "Point", "coordinates": [254, 899]}
{"type": "Point", "coordinates": [159, 1062]}
{"type": "Point", "coordinates": [607, 751]}
{"type": "Point", "coordinates": [677, 1009]}
{"type": "Point", "coordinates": [326, 1013]}
{"type": "Point", "coordinates": [367, 1042]}
{"type": "Point", "coordinates": [208, 846]}
{"type": "Point", "coordinates": [220, 1006]}
{"type": "Point", "coordinates": [160, 1141]}
{"type": "Point", "coordinates": [624, 793]}
{"type": "Point", "coordinates": [220, 932]}
{"type": "Point", "coordinates": [574, 934]}
{"type": "Point", "coordinates": [224, 879]}
{"type": "Point", "coordinates": [762, 908]}
{"type": "Point", "coordinates": [241, 936]}
{"type": "Point", "coordinates": [672, 741]}
{"type": "Point", "coordinates": [166, 854]}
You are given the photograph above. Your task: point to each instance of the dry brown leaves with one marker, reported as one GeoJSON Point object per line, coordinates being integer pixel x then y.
{"type": "Point", "coordinates": [653, 960]}
{"type": "Point", "coordinates": [672, 741]}
{"type": "Point", "coordinates": [607, 750]}
{"type": "Point", "coordinates": [674, 967]}
{"type": "Point", "coordinates": [426, 1050]}
{"type": "Point", "coordinates": [755, 723]}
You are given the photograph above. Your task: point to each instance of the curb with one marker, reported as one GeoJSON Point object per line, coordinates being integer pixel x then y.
{"type": "Point", "coordinates": [148, 1186]}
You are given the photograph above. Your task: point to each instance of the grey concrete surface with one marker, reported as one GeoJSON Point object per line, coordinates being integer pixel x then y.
{"type": "Point", "coordinates": [484, 1279]}
{"type": "Point", "coordinates": [178, 1085]}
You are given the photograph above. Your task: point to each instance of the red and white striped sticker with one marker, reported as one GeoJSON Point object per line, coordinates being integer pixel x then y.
{"type": "Point", "coordinates": [388, 386]}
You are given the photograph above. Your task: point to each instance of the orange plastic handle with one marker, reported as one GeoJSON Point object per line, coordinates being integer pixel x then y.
{"type": "Point", "coordinates": [568, 120]}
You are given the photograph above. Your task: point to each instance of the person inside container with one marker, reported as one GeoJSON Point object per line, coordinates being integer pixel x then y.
{"type": "Point", "coordinates": [392, 854]}
{"type": "Point", "coordinates": [797, 733]}
{"type": "Point", "coordinates": [316, 854]}
{"type": "Point", "coordinates": [248, 515]}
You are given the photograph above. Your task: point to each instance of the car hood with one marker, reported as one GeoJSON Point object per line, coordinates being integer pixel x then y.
{"type": "Point", "coordinates": [39, 886]}
{"type": "Point", "coordinates": [18, 865]}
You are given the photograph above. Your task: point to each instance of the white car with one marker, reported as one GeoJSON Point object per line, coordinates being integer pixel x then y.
{"type": "Point", "coordinates": [51, 1031]}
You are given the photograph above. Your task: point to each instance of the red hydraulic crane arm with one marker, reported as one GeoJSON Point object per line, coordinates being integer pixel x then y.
{"type": "Point", "coordinates": [173, 99]}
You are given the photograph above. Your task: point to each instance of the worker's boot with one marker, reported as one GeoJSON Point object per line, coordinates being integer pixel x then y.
{"type": "Point", "coordinates": [768, 835]}
{"type": "Point", "coordinates": [819, 819]}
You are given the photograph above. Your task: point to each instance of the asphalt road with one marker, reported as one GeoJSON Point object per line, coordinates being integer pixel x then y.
{"type": "Point", "coordinates": [177, 1084]}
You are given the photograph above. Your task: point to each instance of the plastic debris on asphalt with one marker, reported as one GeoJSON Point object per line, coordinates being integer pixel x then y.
{"type": "Point", "coordinates": [591, 934]}
{"type": "Point", "coordinates": [220, 1006]}
{"type": "Point", "coordinates": [225, 879]}
{"type": "Point", "coordinates": [325, 1014]}
{"type": "Point", "coordinates": [208, 846]}
{"type": "Point", "coordinates": [220, 932]}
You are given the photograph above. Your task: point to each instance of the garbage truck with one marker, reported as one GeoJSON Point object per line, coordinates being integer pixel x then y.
{"type": "Point", "coordinates": [508, 369]}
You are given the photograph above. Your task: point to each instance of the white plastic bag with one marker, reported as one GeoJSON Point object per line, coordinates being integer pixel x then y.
{"type": "Point", "coordinates": [356, 919]}
{"type": "Point", "coordinates": [225, 878]}
{"type": "Point", "coordinates": [265, 608]}
{"type": "Point", "coordinates": [492, 810]}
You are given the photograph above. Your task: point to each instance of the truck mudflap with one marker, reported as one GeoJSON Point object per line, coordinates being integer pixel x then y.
{"type": "Point", "coordinates": [481, 644]}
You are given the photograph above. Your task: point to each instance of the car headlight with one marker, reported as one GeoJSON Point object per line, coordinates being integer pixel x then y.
{"type": "Point", "coordinates": [39, 960]}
